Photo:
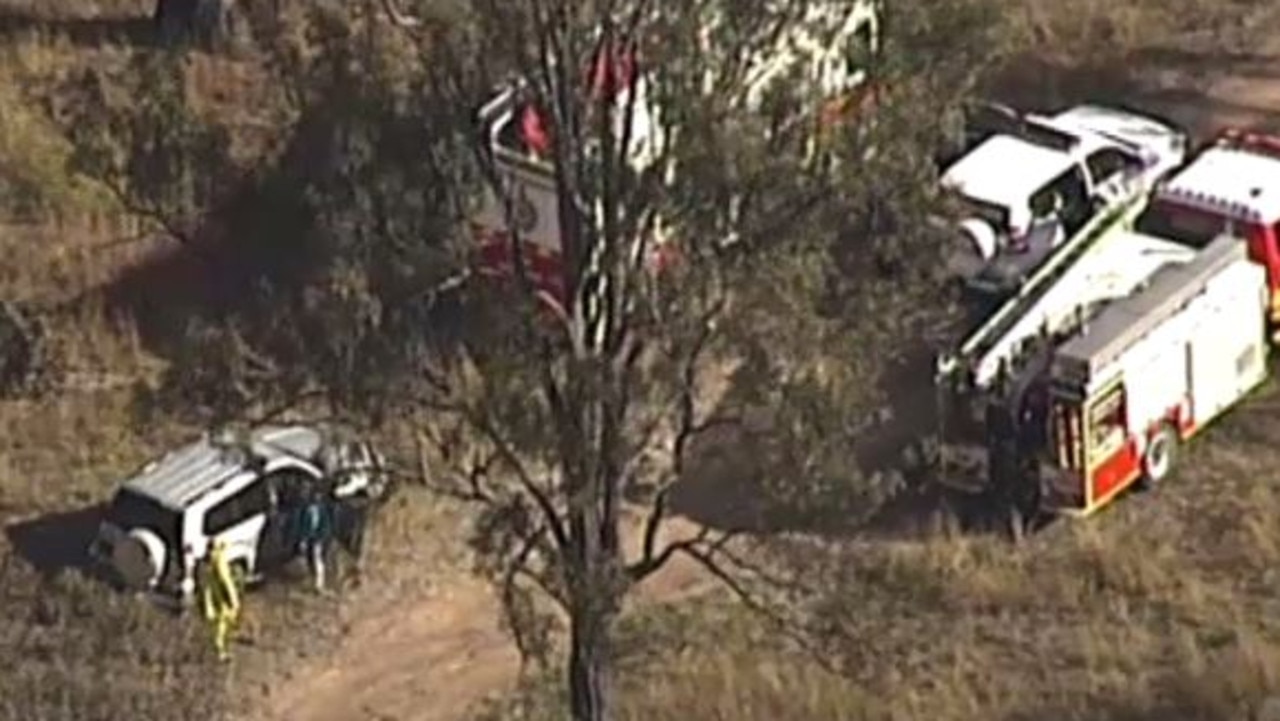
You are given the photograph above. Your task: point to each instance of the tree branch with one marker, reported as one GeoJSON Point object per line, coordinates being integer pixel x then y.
{"type": "Point", "coordinates": [471, 483]}
{"type": "Point", "coordinates": [650, 561]}
{"type": "Point", "coordinates": [540, 496]}
{"type": "Point", "coordinates": [166, 224]}
{"type": "Point", "coordinates": [398, 16]}
{"type": "Point", "coordinates": [707, 559]}
{"type": "Point", "coordinates": [517, 568]}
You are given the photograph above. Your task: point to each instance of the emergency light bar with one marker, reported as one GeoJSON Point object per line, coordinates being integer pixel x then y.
{"type": "Point", "coordinates": [1260, 143]}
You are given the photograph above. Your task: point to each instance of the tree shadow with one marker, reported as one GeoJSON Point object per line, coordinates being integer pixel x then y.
{"type": "Point", "coordinates": [220, 272]}
{"type": "Point", "coordinates": [725, 486]}
{"type": "Point", "coordinates": [733, 480]}
{"type": "Point", "coordinates": [1179, 84]}
{"type": "Point", "coordinates": [93, 32]}
{"type": "Point", "coordinates": [58, 541]}
{"type": "Point", "coordinates": [1180, 695]}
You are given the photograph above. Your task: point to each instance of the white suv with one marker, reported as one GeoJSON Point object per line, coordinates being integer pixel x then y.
{"type": "Point", "coordinates": [241, 489]}
{"type": "Point", "coordinates": [1036, 181]}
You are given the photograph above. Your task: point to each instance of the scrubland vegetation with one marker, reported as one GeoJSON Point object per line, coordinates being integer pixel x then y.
{"type": "Point", "coordinates": [118, 159]}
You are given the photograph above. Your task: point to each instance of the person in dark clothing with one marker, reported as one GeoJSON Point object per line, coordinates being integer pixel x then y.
{"type": "Point", "coordinates": [352, 513]}
{"type": "Point", "coordinates": [315, 532]}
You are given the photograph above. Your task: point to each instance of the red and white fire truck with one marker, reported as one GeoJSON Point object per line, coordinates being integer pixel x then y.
{"type": "Point", "coordinates": [519, 142]}
{"type": "Point", "coordinates": [1232, 186]}
{"type": "Point", "coordinates": [824, 56]}
{"type": "Point", "coordinates": [1144, 375]}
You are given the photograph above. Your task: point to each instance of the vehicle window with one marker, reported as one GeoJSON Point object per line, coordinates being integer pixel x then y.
{"type": "Point", "coordinates": [253, 499]}
{"type": "Point", "coordinates": [1074, 191]}
{"type": "Point", "coordinates": [509, 134]}
{"type": "Point", "coordinates": [130, 509]}
{"type": "Point", "coordinates": [257, 499]}
{"type": "Point", "coordinates": [289, 485]}
{"type": "Point", "coordinates": [1107, 425]}
{"type": "Point", "coordinates": [1187, 226]}
{"type": "Point", "coordinates": [1105, 163]}
{"type": "Point", "coordinates": [1042, 203]}
{"type": "Point", "coordinates": [965, 206]}
{"type": "Point", "coordinates": [1066, 422]}
{"type": "Point", "coordinates": [1037, 132]}
{"type": "Point", "coordinates": [859, 50]}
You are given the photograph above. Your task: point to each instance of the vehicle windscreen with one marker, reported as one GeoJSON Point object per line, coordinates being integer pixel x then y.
{"type": "Point", "coordinates": [966, 207]}
{"type": "Point", "coordinates": [1188, 226]}
{"type": "Point", "coordinates": [130, 509]}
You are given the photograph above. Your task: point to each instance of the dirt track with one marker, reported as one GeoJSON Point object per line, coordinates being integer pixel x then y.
{"type": "Point", "coordinates": [432, 659]}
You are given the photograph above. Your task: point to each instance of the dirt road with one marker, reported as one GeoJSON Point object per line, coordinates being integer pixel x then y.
{"type": "Point", "coordinates": [434, 658]}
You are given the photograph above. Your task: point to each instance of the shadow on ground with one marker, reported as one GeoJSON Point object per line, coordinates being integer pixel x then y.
{"type": "Point", "coordinates": [1201, 89]}
{"type": "Point", "coordinates": [56, 542]}
{"type": "Point", "coordinates": [82, 32]}
{"type": "Point", "coordinates": [735, 480]}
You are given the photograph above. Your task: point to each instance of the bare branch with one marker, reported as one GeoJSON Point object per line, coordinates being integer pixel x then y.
{"type": "Point", "coordinates": [541, 496]}
{"type": "Point", "coordinates": [516, 568]}
{"type": "Point", "coordinates": [653, 522]}
{"type": "Point", "coordinates": [469, 483]}
{"type": "Point", "coordinates": [166, 224]}
{"type": "Point", "coordinates": [650, 561]}
{"type": "Point", "coordinates": [398, 16]}
{"type": "Point", "coordinates": [707, 559]}
{"type": "Point", "coordinates": [688, 424]}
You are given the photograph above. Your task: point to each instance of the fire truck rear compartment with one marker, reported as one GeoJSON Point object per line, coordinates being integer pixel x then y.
{"type": "Point", "coordinates": [1175, 355]}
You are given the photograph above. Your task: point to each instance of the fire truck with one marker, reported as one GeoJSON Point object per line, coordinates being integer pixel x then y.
{"type": "Point", "coordinates": [1231, 186]}
{"type": "Point", "coordinates": [1144, 375]}
{"type": "Point", "coordinates": [823, 56]}
{"type": "Point", "coordinates": [1011, 348]}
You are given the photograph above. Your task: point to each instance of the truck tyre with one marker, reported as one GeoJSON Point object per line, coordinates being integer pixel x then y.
{"type": "Point", "coordinates": [1160, 457]}
{"type": "Point", "coordinates": [139, 559]}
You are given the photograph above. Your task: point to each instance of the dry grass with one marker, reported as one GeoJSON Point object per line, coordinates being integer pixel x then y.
{"type": "Point", "coordinates": [1165, 606]}
{"type": "Point", "coordinates": [1161, 608]}
{"type": "Point", "coordinates": [70, 649]}
{"type": "Point", "coordinates": [1071, 31]}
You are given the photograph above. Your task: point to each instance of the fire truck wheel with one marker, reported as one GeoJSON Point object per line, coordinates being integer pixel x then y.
{"type": "Point", "coordinates": [1161, 455]}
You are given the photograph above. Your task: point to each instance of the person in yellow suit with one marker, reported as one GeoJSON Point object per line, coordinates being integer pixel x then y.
{"type": "Point", "coordinates": [221, 598]}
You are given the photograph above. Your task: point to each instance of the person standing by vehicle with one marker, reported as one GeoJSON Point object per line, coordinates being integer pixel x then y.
{"type": "Point", "coordinates": [353, 518]}
{"type": "Point", "coordinates": [357, 474]}
{"type": "Point", "coordinates": [221, 598]}
{"type": "Point", "coordinates": [316, 530]}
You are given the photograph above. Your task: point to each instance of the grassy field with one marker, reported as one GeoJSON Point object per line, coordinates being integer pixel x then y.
{"type": "Point", "coordinates": [69, 648]}
{"type": "Point", "coordinates": [1164, 607]}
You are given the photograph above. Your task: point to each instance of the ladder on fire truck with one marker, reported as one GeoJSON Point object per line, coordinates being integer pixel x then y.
{"type": "Point", "coordinates": [997, 345]}
{"type": "Point", "coordinates": [996, 362]}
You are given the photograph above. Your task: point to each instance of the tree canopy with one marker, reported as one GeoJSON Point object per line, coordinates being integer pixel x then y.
{"type": "Point", "coordinates": [803, 260]}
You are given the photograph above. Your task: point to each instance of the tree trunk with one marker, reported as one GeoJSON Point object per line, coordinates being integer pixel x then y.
{"type": "Point", "coordinates": [590, 665]}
